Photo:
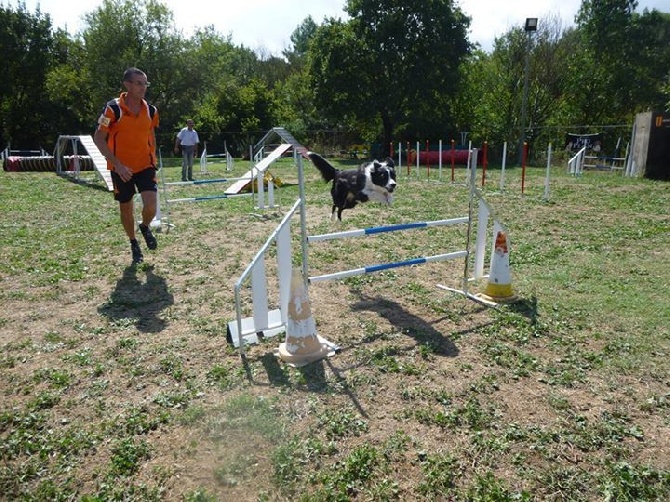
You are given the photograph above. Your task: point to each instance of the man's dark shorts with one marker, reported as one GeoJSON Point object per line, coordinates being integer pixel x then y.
{"type": "Point", "coordinates": [145, 181]}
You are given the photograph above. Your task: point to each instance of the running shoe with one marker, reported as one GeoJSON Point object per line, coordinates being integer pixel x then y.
{"type": "Point", "coordinates": [137, 252]}
{"type": "Point", "coordinates": [148, 237]}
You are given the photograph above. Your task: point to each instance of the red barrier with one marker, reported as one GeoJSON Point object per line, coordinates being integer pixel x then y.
{"type": "Point", "coordinates": [433, 157]}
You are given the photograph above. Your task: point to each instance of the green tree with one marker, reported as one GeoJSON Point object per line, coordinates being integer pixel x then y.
{"type": "Point", "coordinates": [236, 94]}
{"type": "Point", "coordinates": [121, 34]}
{"type": "Point", "coordinates": [294, 101]}
{"type": "Point", "coordinates": [69, 90]}
{"type": "Point", "coordinates": [300, 38]}
{"type": "Point", "coordinates": [651, 57]}
{"type": "Point", "coordinates": [27, 45]}
{"type": "Point", "coordinates": [625, 60]}
{"type": "Point", "coordinates": [393, 67]}
{"type": "Point", "coordinates": [214, 65]}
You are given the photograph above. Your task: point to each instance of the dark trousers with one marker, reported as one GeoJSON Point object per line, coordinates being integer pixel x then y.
{"type": "Point", "coordinates": [187, 153]}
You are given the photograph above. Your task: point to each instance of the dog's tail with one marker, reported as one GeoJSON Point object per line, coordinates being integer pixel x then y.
{"type": "Point", "coordinates": [328, 171]}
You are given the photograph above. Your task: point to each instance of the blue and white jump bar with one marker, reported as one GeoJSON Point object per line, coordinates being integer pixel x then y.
{"type": "Point", "coordinates": [203, 182]}
{"type": "Point", "coordinates": [385, 266]}
{"type": "Point", "coordinates": [388, 228]}
{"type": "Point", "coordinates": [209, 197]}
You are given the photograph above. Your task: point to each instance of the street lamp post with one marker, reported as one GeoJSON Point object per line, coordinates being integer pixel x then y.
{"type": "Point", "coordinates": [529, 28]}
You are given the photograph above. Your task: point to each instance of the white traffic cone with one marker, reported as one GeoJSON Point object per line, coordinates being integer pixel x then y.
{"type": "Point", "coordinates": [499, 287]}
{"type": "Point", "coordinates": [302, 345]}
{"type": "Point", "coordinates": [156, 222]}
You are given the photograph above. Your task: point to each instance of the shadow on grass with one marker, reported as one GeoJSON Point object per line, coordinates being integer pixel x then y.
{"type": "Point", "coordinates": [526, 308]}
{"type": "Point", "coordinates": [313, 377]}
{"type": "Point", "coordinates": [416, 327]}
{"type": "Point", "coordinates": [139, 301]}
{"type": "Point", "coordinates": [96, 184]}
{"type": "Point", "coordinates": [324, 376]}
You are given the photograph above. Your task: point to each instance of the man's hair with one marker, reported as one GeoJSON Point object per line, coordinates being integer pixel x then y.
{"type": "Point", "coordinates": [131, 72]}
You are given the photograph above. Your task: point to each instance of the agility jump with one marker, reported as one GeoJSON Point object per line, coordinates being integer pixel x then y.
{"type": "Point", "coordinates": [268, 323]}
{"type": "Point", "coordinates": [385, 266]}
{"type": "Point", "coordinates": [247, 181]}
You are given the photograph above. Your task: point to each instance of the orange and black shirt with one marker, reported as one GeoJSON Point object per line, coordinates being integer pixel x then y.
{"type": "Point", "coordinates": [130, 137]}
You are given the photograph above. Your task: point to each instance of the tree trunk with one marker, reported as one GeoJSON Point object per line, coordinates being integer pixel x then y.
{"type": "Point", "coordinates": [388, 125]}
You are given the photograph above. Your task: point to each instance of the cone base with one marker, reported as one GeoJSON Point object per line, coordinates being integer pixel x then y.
{"type": "Point", "coordinates": [498, 299]}
{"type": "Point", "coordinates": [298, 360]}
{"type": "Point", "coordinates": [499, 293]}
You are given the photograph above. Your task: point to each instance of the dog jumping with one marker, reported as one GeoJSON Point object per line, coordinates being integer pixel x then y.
{"type": "Point", "coordinates": [370, 181]}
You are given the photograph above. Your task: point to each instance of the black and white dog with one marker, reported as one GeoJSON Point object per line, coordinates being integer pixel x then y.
{"type": "Point", "coordinates": [371, 181]}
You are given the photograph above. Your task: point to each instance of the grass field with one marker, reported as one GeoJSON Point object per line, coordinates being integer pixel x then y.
{"type": "Point", "coordinates": [118, 383]}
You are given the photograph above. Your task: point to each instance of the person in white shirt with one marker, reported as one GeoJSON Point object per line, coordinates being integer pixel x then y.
{"type": "Point", "coordinates": [188, 140]}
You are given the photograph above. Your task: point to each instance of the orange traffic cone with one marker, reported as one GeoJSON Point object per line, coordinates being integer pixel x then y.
{"type": "Point", "coordinates": [302, 345]}
{"type": "Point", "coordinates": [499, 287]}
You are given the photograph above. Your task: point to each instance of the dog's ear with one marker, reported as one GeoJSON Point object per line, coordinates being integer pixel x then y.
{"type": "Point", "coordinates": [389, 162]}
{"type": "Point", "coordinates": [376, 164]}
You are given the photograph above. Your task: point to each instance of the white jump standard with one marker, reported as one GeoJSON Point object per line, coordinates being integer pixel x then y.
{"type": "Point", "coordinates": [266, 323]}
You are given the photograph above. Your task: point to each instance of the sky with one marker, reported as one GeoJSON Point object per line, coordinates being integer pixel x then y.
{"type": "Point", "coordinates": [266, 25]}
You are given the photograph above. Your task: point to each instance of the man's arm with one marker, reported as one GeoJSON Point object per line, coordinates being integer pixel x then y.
{"type": "Point", "coordinates": [100, 140]}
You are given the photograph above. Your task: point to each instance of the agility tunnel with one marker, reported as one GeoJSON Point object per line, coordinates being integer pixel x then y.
{"type": "Point", "coordinates": [46, 163]}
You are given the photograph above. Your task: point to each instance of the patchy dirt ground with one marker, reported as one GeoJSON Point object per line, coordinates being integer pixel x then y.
{"type": "Point", "coordinates": [442, 393]}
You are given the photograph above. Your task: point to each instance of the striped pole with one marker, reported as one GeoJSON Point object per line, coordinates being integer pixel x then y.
{"type": "Point", "coordinates": [548, 173]}
{"type": "Point", "coordinates": [389, 228]}
{"type": "Point", "coordinates": [439, 168]}
{"type": "Point", "coordinates": [453, 158]}
{"type": "Point", "coordinates": [203, 160]}
{"type": "Point", "coordinates": [418, 155]}
{"type": "Point", "coordinates": [387, 266]}
{"type": "Point", "coordinates": [480, 241]}
{"type": "Point", "coordinates": [209, 197]}
{"type": "Point", "coordinates": [502, 168]}
{"type": "Point", "coordinates": [203, 182]}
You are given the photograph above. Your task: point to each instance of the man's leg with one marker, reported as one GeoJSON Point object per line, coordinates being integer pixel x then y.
{"type": "Point", "coordinates": [149, 208]}
{"type": "Point", "coordinates": [127, 212]}
{"type": "Point", "coordinates": [189, 162]}
{"type": "Point", "coordinates": [184, 163]}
